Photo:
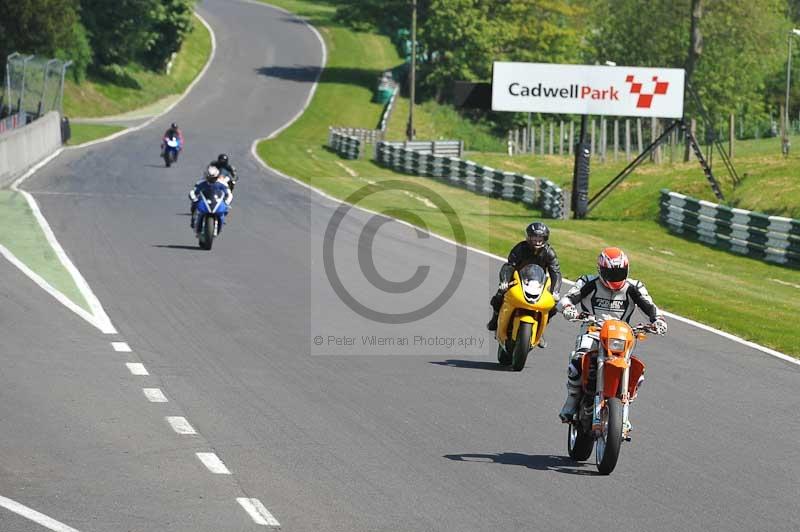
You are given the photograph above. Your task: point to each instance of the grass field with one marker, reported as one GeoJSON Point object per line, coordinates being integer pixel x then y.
{"type": "Point", "coordinates": [87, 132]}
{"type": "Point", "coordinates": [721, 289]}
{"type": "Point", "coordinates": [96, 97]}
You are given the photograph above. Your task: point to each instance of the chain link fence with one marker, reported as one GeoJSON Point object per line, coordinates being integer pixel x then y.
{"type": "Point", "coordinates": [33, 86]}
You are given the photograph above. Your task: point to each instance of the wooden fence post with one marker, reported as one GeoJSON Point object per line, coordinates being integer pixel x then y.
{"type": "Point", "coordinates": [551, 138]}
{"type": "Point", "coordinates": [524, 140]}
{"type": "Point", "coordinates": [561, 137]}
{"type": "Point", "coordinates": [628, 139]}
{"type": "Point", "coordinates": [592, 139]}
{"type": "Point", "coordinates": [541, 139]}
{"type": "Point", "coordinates": [639, 134]}
{"type": "Point", "coordinates": [732, 135]}
{"type": "Point", "coordinates": [571, 136]}
{"type": "Point", "coordinates": [616, 138]}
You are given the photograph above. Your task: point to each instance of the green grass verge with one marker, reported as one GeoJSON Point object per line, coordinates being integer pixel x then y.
{"type": "Point", "coordinates": [97, 97]}
{"type": "Point", "coordinates": [87, 132]}
{"type": "Point", "coordinates": [723, 290]}
{"type": "Point", "coordinates": [28, 243]}
{"type": "Point", "coordinates": [770, 183]}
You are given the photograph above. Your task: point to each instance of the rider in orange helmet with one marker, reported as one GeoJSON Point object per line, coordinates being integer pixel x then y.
{"type": "Point", "coordinates": [610, 293]}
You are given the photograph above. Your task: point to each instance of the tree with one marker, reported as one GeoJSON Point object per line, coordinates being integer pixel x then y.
{"type": "Point", "coordinates": [45, 27]}
{"type": "Point", "coordinates": [740, 46]}
{"type": "Point", "coordinates": [126, 31]}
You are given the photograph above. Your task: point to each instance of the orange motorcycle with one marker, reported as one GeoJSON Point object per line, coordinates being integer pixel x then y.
{"type": "Point", "coordinates": [611, 375]}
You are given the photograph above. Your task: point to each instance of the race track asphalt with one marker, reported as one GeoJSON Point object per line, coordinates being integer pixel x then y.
{"type": "Point", "coordinates": [333, 437]}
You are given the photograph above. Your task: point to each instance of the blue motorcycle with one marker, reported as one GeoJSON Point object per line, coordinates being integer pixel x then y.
{"type": "Point", "coordinates": [209, 216]}
{"type": "Point", "coordinates": [172, 145]}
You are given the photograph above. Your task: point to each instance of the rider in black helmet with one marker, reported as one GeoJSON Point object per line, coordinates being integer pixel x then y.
{"type": "Point", "coordinates": [535, 249]}
{"type": "Point", "coordinates": [223, 164]}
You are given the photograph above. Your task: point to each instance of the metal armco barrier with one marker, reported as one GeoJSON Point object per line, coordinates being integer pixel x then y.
{"type": "Point", "coordinates": [445, 148]}
{"type": "Point", "coordinates": [539, 193]}
{"type": "Point", "coordinates": [367, 136]}
{"type": "Point", "coordinates": [769, 238]}
{"type": "Point", "coordinates": [346, 146]}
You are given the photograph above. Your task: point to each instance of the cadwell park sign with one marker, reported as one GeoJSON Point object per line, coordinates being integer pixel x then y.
{"type": "Point", "coordinates": [588, 90]}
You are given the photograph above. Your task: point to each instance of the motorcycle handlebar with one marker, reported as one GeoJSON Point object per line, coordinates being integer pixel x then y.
{"type": "Point", "coordinates": [585, 317]}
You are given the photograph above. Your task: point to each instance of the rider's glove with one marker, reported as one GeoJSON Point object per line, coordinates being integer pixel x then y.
{"type": "Point", "coordinates": [504, 285]}
{"type": "Point", "coordinates": [570, 312]}
{"type": "Point", "coordinates": [660, 326]}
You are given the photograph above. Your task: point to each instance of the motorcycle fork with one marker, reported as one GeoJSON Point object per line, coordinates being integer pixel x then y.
{"type": "Point", "coordinates": [599, 396]}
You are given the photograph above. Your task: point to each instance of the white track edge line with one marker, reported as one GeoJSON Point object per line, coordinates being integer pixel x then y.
{"type": "Point", "coordinates": [121, 347]}
{"type": "Point", "coordinates": [33, 515]}
{"type": "Point", "coordinates": [47, 287]}
{"type": "Point", "coordinates": [258, 512]}
{"type": "Point", "coordinates": [263, 163]}
{"type": "Point", "coordinates": [171, 106]}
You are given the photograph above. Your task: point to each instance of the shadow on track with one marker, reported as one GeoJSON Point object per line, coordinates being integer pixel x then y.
{"type": "Point", "coordinates": [540, 462]}
{"type": "Point", "coordinates": [471, 364]}
{"type": "Point", "coordinates": [308, 74]}
{"type": "Point", "coordinates": [176, 246]}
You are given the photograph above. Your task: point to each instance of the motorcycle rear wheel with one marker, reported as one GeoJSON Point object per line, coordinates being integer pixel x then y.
{"type": "Point", "coordinates": [522, 346]}
{"type": "Point", "coordinates": [610, 441]}
{"type": "Point", "coordinates": [579, 442]}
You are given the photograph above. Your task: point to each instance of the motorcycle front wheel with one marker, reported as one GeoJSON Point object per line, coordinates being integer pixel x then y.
{"type": "Point", "coordinates": [503, 358]}
{"type": "Point", "coordinates": [610, 440]}
{"type": "Point", "coordinates": [207, 233]}
{"type": "Point", "coordinates": [522, 346]}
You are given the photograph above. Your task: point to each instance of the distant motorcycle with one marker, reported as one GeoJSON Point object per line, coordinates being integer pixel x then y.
{"type": "Point", "coordinates": [611, 376]}
{"type": "Point", "coordinates": [172, 145]}
{"type": "Point", "coordinates": [210, 213]}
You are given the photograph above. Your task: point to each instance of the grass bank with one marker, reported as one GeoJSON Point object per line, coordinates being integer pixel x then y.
{"type": "Point", "coordinates": [686, 278]}
{"type": "Point", "coordinates": [87, 132]}
{"type": "Point", "coordinates": [96, 97]}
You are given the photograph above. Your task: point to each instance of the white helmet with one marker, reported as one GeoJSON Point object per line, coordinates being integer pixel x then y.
{"type": "Point", "coordinates": [212, 173]}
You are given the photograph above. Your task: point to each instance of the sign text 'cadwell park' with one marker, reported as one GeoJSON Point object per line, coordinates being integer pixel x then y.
{"type": "Point", "coordinates": [588, 90]}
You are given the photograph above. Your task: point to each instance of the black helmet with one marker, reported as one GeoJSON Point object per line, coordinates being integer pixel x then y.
{"type": "Point", "coordinates": [537, 234]}
{"type": "Point", "coordinates": [173, 125]}
{"type": "Point", "coordinates": [223, 158]}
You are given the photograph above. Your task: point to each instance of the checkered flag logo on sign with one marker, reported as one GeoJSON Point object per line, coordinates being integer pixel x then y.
{"type": "Point", "coordinates": [645, 99]}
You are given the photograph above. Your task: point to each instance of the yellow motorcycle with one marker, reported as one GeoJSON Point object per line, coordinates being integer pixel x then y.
{"type": "Point", "coordinates": [523, 316]}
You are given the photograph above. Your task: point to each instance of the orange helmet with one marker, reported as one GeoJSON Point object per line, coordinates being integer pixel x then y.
{"type": "Point", "coordinates": [612, 265]}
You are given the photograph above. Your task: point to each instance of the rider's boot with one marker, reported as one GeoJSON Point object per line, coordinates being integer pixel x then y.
{"type": "Point", "coordinates": [542, 342]}
{"type": "Point", "coordinates": [571, 404]}
{"type": "Point", "coordinates": [492, 325]}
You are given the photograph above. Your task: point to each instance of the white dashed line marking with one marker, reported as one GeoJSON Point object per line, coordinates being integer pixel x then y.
{"type": "Point", "coordinates": [121, 347]}
{"type": "Point", "coordinates": [258, 512]}
{"type": "Point", "coordinates": [154, 395]}
{"type": "Point", "coordinates": [213, 463]}
{"type": "Point", "coordinates": [136, 368]}
{"type": "Point", "coordinates": [181, 426]}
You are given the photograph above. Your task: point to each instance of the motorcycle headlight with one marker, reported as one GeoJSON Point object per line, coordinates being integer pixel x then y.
{"type": "Point", "coordinates": [533, 289]}
{"type": "Point", "coordinates": [616, 344]}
